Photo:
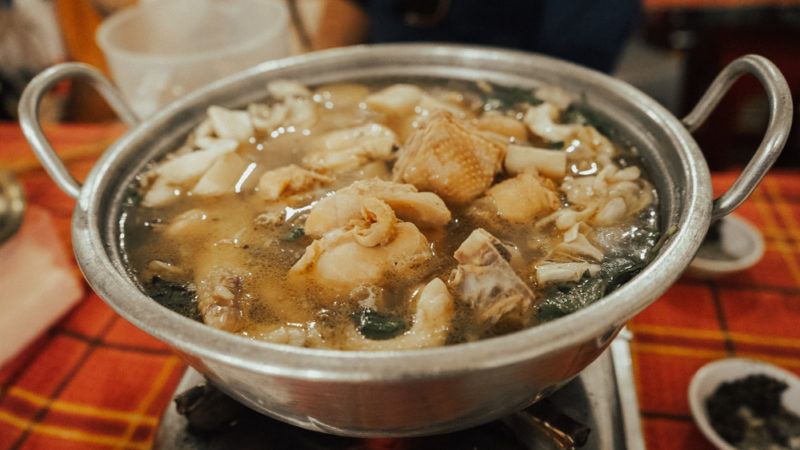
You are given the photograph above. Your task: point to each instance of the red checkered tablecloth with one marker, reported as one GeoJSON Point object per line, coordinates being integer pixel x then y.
{"type": "Point", "coordinates": [95, 381]}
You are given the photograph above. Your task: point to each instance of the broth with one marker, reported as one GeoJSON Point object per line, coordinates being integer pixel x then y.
{"type": "Point", "coordinates": [321, 218]}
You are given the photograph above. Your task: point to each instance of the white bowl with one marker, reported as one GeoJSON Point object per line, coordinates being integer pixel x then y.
{"type": "Point", "coordinates": [713, 374]}
{"type": "Point", "coordinates": [741, 247]}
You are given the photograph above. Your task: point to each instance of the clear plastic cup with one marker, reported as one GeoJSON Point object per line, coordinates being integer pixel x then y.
{"type": "Point", "coordinates": [160, 50]}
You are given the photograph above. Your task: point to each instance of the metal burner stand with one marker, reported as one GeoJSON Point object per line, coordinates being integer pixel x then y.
{"type": "Point", "coordinates": [603, 397]}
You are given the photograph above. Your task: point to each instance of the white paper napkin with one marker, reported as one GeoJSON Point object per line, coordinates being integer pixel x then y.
{"type": "Point", "coordinates": [37, 282]}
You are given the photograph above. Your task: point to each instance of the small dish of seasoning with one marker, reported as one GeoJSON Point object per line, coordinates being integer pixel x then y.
{"type": "Point", "coordinates": [743, 404]}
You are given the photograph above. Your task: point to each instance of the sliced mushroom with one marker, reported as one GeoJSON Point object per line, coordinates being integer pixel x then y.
{"type": "Point", "coordinates": [550, 163]}
{"type": "Point", "coordinates": [540, 120]}
{"type": "Point", "coordinates": [552, 272]}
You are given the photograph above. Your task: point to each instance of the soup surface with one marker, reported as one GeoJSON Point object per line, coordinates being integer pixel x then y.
{"type": "Point", "coordinates": [390, 216]}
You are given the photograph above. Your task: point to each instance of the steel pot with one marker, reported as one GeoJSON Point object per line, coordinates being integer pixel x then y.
{"type": "Point", "coordinates": [404, 393]}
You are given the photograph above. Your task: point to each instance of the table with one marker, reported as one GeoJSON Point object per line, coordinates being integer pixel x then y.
{"type": "Point", "coordinates": [95, 381]}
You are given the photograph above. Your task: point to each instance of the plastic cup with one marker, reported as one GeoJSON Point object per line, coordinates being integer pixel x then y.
{"type": "Point", "coordinates": [160, 50]}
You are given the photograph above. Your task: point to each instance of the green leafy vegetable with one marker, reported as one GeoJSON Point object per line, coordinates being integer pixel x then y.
{"type": "Point", "coordinates": [582, 115]}
{"type": "Point", "coordinates": [616, 270]}
{"type": "Point", "coordinates": [375, 325]}
{"type": "Point", "coordinates": [177, 297]}
{"type": "Point", "coordinates": [294, 234]}
{"type": "Point", "coordinates": [565, 299]}
{"type": "Point", "coordinates": [504, 97]}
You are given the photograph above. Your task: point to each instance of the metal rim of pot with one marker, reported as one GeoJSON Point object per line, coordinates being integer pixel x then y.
{"type": "Point", "coordinates": [195, 338]}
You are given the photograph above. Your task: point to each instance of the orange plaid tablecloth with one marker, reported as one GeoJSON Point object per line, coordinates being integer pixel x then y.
{"type": "Point", "coordinates": [95, 381]}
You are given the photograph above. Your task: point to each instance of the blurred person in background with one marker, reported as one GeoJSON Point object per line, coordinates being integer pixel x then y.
{"type": "Point", "coordinates": [588, 32]}
{"type": "Point", "coordinates": [29, 43]}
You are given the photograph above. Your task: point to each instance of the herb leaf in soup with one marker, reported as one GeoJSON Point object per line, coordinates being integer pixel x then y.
{"type": "Point", "coordinates": [390, 214]}
{"type": "Point", "coordinates": [375, 325]}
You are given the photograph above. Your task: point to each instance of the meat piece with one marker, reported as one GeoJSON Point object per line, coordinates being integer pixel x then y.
{"type": "Point", "coordinates": [339, 260]}
{"type": "Point", "coordinates": [522, 198]}
{"type": "Point", "coordinates": [219, 274]}
{"type": "Point", "coordinates": [451, 158]}
{"type": "Point", "coordinates": [377, 223]}
{"type": "Point", "coordinates": [424, 209]}
{"type": "Point", "coordinates": [429, 104]}
{"type": "Point", "coordinates": [503, 125]}
{"type": "Point", "coordinates": [397, 100]}
{"type": "Point", "coordinates": [485, 280]}
{"type": "Point", "coordinates": [288, 180]}
{"type": "Point", "coordinates": [432, 323]}
{"type": "Point", "coordinates": [351, 148]}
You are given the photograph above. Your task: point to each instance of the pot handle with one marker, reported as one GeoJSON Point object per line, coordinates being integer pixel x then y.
{"type": "Point", "coordinates": [780, 122]}
{"type": "Point", "coordinates": [32, 128]}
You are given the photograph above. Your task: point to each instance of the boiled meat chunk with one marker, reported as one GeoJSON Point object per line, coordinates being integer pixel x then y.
{"type": "Point", "coordinates": [432, 323]}
{"type": "Point", "coordinates": [338, 259]}
{"type": "Point", "coordinates": [451, 158]}
{"type": "Point", "coordinates": [424, 209]}
{"type": "Point", "coordinates": [502, 125]}
{"type": "Point", "coordinates": [219, 274]}
{"type": "Point", "coordinates": [485, 280]}
{"type": "Point", "coordinates": [288, 180]}
{"type": "Point", "coordinates": [351, 148]}
{"type": "Point", "coordinates": [397, 100]}
{"type": "Point", "coordinates": [522, 198]}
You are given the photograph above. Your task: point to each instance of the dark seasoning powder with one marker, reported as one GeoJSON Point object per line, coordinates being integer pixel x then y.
{"type": "Point", "coordinates": [748, 413]}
